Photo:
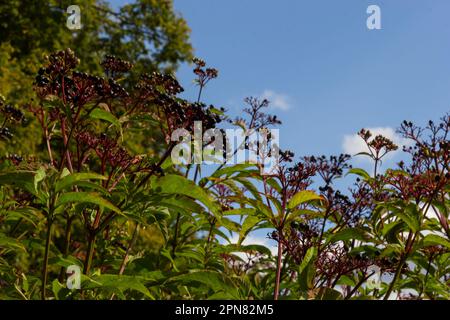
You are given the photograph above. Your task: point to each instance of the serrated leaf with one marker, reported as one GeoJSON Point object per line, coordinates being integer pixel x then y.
{"type": "Point", "coordinates": [211, 279]}
{"type": "Point", "coordinates": [229, 225]}
{"type": "Point", "coordinates": [20, 179]}
{"type": "Point", "coordinates": [348, 234]}
{"type": "Point", "coordinates": [86, 197]}
{"type": "Point", "coordinates": [175, 184]}
{"type": "Point", "coordinates": [409, 215]}
{"type": "Point", "coordinates": [309, 255]}
{"type": "Point", "coordinates": [359, 172]}
{"type": "Point", "coordinates": [434, 239]}
{"type": "Point", "coordinates": [303, 197]}
{"type": "Point", "coordinates": [72, 179]}
{"type": "Point", "coordinates": [310, 214]}
{"type": "Point", "coordinates": [240, 212]}
{"type": "Point", "coordinates": [229, 170]}
{"type": "Point", "coordinates": [249, 223]}
{"type": "Point", "coordinates": [10, 243]}
{"type": "Point", "coordinates": [307, 269]}
{"type": "Point", "coordinates": [117, 282]}
{"type": "Point", "coordinates": [65, 261]}
{"type": "Point", "coordinates": [106, 116]}
{"type": "Point", "coordinates": [38, 177]}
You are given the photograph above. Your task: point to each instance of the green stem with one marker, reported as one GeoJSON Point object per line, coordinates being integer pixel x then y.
{"type": "Point", "coordinates": [396, 276]}
{"type": "Point", "coordinates": [424, 284]}
{"type": "Point", "coordinates": [175, 238]}
{"type": "Point", "coordinates": [279, 267]}
{"type": "Point", "coordinates": [360, 283]}
{"type": "Point", "coordinates": [66, 244]}
{"type": "Point", "coordinates": [89, 253]}
{"type": "Point", "coordinates": [130, 246]}
{"type": "Point", "coordinates": [375, 168]}
{"type": "Point", "coordinates": [210, 237]}
{"type": "Point", "coordinates": [46, 254]}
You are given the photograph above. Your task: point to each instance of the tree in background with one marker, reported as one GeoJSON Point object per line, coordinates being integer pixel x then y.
{"type": "Point", "coordinates": [148, 32]}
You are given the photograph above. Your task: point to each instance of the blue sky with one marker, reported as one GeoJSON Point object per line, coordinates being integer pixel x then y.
{"type": "Point", "coordinates": [318, 58]}
{"type": "Point", "coordinates": [336, 75]}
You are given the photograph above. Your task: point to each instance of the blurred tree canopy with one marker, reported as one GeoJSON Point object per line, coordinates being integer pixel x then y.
{"type": "Point", "coordinates": [148, 32]}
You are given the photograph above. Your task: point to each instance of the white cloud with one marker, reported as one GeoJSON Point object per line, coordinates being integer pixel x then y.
{"type": "Point", "coordinates": [277, 100]}
{"type": "Point", "coordinates": [353, 144]}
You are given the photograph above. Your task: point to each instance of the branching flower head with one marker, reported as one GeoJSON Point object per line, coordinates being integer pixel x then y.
{"type": "Point", "coordinates": [378, 146]}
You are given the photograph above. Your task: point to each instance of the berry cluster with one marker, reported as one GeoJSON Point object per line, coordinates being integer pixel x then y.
{"type": "Point", "coordinates": [115, 67]}
{"type": "Point", "coordinates": [204, 75]}
{"type": "Point", "coordinates": [107, 150]}
{"type": "Point", "coordinates": [10, 115]}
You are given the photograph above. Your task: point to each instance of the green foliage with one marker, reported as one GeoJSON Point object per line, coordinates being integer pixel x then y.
{"type": "Point", "coordinates": [147, 32]}
{"type": "Point", "coordinates": [141, 227]}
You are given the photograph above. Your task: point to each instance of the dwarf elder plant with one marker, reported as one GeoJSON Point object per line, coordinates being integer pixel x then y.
{"type": "Point", "coordinates": [139, 226]}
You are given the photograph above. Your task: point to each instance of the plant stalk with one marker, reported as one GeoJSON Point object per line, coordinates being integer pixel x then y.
{"type": "Point", "coordinates": [89, 253]}
{"type": "Point", "coordinates": [278, 278]}
{"type": "Point", "coordinates": [66, 245]}
{"type": "Point", "coordinates": [46, 254]}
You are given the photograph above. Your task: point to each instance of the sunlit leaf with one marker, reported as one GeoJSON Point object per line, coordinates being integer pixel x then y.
{"type": "Point", "coordinates": [302, 197]}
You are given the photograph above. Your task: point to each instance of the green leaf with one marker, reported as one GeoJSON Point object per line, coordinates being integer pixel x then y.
{"type": "Point", "coordinates": [261, 208]}
{"type": "Point", "coordinates": [141, 117]}
{"type": "Point", "coordinates": [211, 279]}
{"type": "Point", "coordinates": [72, 179]}
{"type": "Point", "coordinates": [329, 294]}
{"type": "Point", "coordinates": [86, 197]}
{"type": "Point", "coordinates": [347, 280]}
{"type": "Point", "coordinates": [307, 269]}
{"type": "Point", "coordinates": [410, 215]}
{"type": "Point", "coordinates": [364, 154]}
{"type": "Point", "coordinates": [256, 247]}
{"type": "Point", "coordinates": [310, 214]}
{"type": "Point", "coordinates": [392, 250]}
{"type": "Point", "coordinates": [92, 186]}
{"type": "Point", "coordinates": [229, 225]}
{"type": "Point", "coordinates": [57, 287]}
{"type": "Point", "coordinates": [114, 282]}
{"type": "Point", "coordinates": [229, 170]}
{"type": "Point", "coordinates": [10, 243]}
{"type": "Point", "coordinates": [391, 230]}
{"type": "Point", "coordinates": [175, 184]}
{"type": "Point", "coordinates": [20, 179]}
{"type": "Point", "coordinates": [65, 262]}
{"type": "Point", "coordinates": [27, 213]}
{"type": "Point", "coordinates": [249, 223]}
{"type": "Point", "coordinates": [167, 253]}
{"type": "Point", "coordinates": [240, 212]}
{"type": "Point", "coordinates": [38, 177]}
{"type": "Point", "coordinates": [310, 254]}
{"type": "Point", "coordinates": [274, 184]}
{"type": "Point", "coordinates": [250, 187]}
{"type": "Point", "coordinates": [302, 197]}
{"type": "Point", "coordinates": [106, 116]}
{"type": "Point", "coordinates": [434, 239]}
{"type": "Point", "coordinates": [359, 172]}
{"type": "Point", "coordinates": [349, 234]}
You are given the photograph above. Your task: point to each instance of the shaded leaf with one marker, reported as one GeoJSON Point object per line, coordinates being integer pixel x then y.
{"type": "Point", "coordinates": [86, 197]}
